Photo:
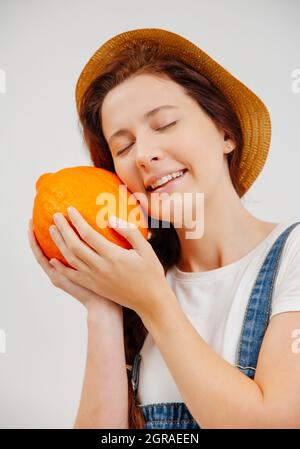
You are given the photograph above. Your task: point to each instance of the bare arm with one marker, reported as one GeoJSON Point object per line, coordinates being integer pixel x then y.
{"type": "Point", "coordinates": [104, 398]}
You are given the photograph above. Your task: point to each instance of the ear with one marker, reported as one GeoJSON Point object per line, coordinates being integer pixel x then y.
{"type": "Point", "coordinates": [229, 146]}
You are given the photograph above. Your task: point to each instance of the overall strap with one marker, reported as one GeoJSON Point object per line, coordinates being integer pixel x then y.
{"type": "Point", "coordinates": [258, 310]}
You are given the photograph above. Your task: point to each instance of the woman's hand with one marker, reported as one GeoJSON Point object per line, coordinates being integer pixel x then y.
{"type": "Point", "coordinates": [131, 278]}
{"type": "Point", "coordinates": [85, 296]}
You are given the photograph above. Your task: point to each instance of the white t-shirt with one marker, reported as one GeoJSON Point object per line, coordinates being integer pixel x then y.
{"type": "Point", "coordinates": [215, 302]}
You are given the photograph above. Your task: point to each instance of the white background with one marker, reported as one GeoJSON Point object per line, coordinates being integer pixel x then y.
{"type": "Point", "coordinates": [43, 47]}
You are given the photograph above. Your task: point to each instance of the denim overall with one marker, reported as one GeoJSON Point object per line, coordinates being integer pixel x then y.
{"type": "Point", "coordinates": [175, 415]}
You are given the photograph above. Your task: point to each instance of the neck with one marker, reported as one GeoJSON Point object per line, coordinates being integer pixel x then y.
{"type": "Point", "coordinates": [230, 232]}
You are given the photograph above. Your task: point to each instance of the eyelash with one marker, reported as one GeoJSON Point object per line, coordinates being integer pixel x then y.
{"type": "Point", "coordinates": [158, 129]}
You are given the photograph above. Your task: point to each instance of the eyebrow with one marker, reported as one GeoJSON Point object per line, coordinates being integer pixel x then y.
{"type": "Point", "coordinates": [148, 114]}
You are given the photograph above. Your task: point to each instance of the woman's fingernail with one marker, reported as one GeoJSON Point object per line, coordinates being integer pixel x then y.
{"type": "Point", "coordinates": [57, 217]}
{"type": "Point", "coordinates": [52, 230]}
{"type": "Point", "coordinates": [118, 222]}
{"type": "Point", "coordinates": [113, 220]}
{"type": "Point", "coordinates": [72, 211]}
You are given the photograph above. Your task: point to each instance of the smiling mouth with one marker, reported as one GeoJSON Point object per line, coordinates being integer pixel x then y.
{"type": "Point", "coordinates": [168, 182]}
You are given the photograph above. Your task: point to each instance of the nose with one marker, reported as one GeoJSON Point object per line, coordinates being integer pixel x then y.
{"type": "Point", "coordinates": [146, 153]}
{"type": "Point", "coordinates": [145, 160]}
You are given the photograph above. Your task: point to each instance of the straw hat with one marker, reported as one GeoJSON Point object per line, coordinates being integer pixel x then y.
{"type": "Point", "coordinates": [251, 111]}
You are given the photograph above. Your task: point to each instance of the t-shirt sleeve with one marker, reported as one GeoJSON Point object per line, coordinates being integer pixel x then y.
{"type": "Point", "coordinates": [286, 295]}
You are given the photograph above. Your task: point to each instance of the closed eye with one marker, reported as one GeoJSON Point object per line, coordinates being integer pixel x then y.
{"type": "Point", "coordinates": [158, 129]}
{"type": "Point", "coordinates": [167, 126]}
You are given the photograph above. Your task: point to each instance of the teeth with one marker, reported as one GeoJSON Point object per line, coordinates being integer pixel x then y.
{"type": "Point", "coordinates": [167, 178]}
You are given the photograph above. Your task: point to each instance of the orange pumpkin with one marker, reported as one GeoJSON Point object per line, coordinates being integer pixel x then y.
{"type": "Point", "coordinates": [95, 193]}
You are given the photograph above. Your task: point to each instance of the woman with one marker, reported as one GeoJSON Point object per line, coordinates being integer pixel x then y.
{"type": "Point", "coordinates": [206, 341]}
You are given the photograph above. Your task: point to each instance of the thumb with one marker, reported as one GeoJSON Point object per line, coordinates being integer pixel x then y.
{"type": "Point", "coordinates": [129, 231]}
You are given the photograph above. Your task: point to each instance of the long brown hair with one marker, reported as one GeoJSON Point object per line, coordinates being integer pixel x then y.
{"type": "Point", "coordinates": [142, 58]}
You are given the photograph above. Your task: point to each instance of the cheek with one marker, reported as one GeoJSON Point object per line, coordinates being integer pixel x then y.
{"type": "Point", "coordinates": [207, 167]}
{"type": "Point", "coordinates": [130, 178]}
{"type": "Point", "coordinates": [125, 172]}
